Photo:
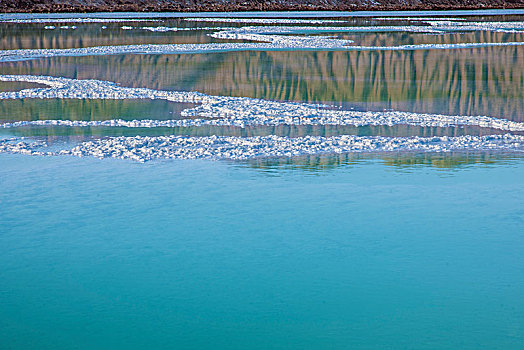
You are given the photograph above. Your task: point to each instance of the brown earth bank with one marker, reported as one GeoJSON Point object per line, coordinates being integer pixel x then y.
{"type": "Point", "coordinates": [248, 5]}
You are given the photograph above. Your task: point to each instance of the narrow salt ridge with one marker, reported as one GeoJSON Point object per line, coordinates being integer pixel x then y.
{"type": "Point", "coordinates": [278, 43]}
{"type": "Point", "coordinates": [503, 27]}
{"type": "Point", "coordinates": [77, 20]}
{"type": "Point", "coordinates": [448, 25]}
{"type": "Point", "coordinates": [227, 111]}
{"type": "Point", "coordinates": [145, 148]}
{"type": "Point", "coordinates": [61, 27]}
{"type": "Point", "coordinates": [67, 27]}
{"type": "Point", "coordinates": [179, 29]}
{"type": "Point", "coordinates": [279, 36]}
{"type": "Point", "coordinates": [422, 19]}
{"type": "Point", "coordinates": [263, 20]}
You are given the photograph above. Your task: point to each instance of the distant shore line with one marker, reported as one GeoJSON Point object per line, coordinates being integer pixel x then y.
{"type": "Point", "coordinates": [184, 6]}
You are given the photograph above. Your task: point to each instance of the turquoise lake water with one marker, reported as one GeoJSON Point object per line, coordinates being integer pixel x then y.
{"type": "Point", "coordinates": [197, 254]}
{"type": "Point", "coordinates": [382, 249]}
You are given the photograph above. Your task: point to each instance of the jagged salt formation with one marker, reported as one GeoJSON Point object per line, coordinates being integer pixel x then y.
{"type": "Point", "coordinates": [144, 148]}
{"type": "Point", "coordinates": [17, 145]}
{"type": "Point", "coordinates": [228, 111]}
{"type": "Point", "coordinates": [59, 87]}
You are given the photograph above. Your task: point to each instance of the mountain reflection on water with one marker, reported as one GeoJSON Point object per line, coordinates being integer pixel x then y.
{"type": "Point", "coordinates": [485, 81]}
{"type": "Point", "coordinates": [479, 81]}
{"type": "Point", "coordinates": [403, 162]}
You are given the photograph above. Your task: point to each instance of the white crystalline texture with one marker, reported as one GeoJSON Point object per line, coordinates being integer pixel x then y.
{"type": "Point", "coordinates": [144, 148]}
{"type": "Point", "coordinates": [275, 36]}
{"type": "Point", "coordinates": [19, 146]}
{"type": "Point", "coordinates": [90, 89]}
{"type": "Point", "coordinates": [179, 29]}
{"type": "Point", "coordinates": [228, 111]}
{"type": "Point", "coordinates": [457, 24]}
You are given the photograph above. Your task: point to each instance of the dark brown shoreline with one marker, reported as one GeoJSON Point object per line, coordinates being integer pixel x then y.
{"type": "Point", "coordinates": [64, 6]}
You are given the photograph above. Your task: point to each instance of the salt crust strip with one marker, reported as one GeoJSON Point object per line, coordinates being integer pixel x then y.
{"type": "Point", "coordinates": [145, 148]}
{"type": "Point", "coordinates": [227, 111]}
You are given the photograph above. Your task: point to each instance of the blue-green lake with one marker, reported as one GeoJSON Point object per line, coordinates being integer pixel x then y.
{"type": "Point", "coordinates": [304, 181]}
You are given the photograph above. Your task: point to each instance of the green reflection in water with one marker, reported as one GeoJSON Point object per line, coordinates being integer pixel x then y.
{"type": "Point", "coordinates": [89, 110]}
{"type": "Point", "coordinates": [279, 130]}
{"type": "Point", "coordinates": [403, 162]}
{"type": "Point", "coordinates": [35, 36]}
{"type": "Point", "coordinates": [407, 38]}
{"type": "Point", "coordinates": [481, 81]}
{"type": "Point", "coordinates": [16, 86]}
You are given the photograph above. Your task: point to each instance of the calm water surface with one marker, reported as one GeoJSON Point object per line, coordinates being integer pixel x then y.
{"type": "Point", "coordinates": [367, 254]}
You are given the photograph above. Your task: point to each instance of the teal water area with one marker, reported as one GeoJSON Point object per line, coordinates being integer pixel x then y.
{"type": "Point", "coordinates": [367, 254]}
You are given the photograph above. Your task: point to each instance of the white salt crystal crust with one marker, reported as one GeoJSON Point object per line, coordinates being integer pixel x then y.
{"type": "Point", "coordinates": [145, 148]}
{"type": "Point", "coordinates": [228, 111]}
